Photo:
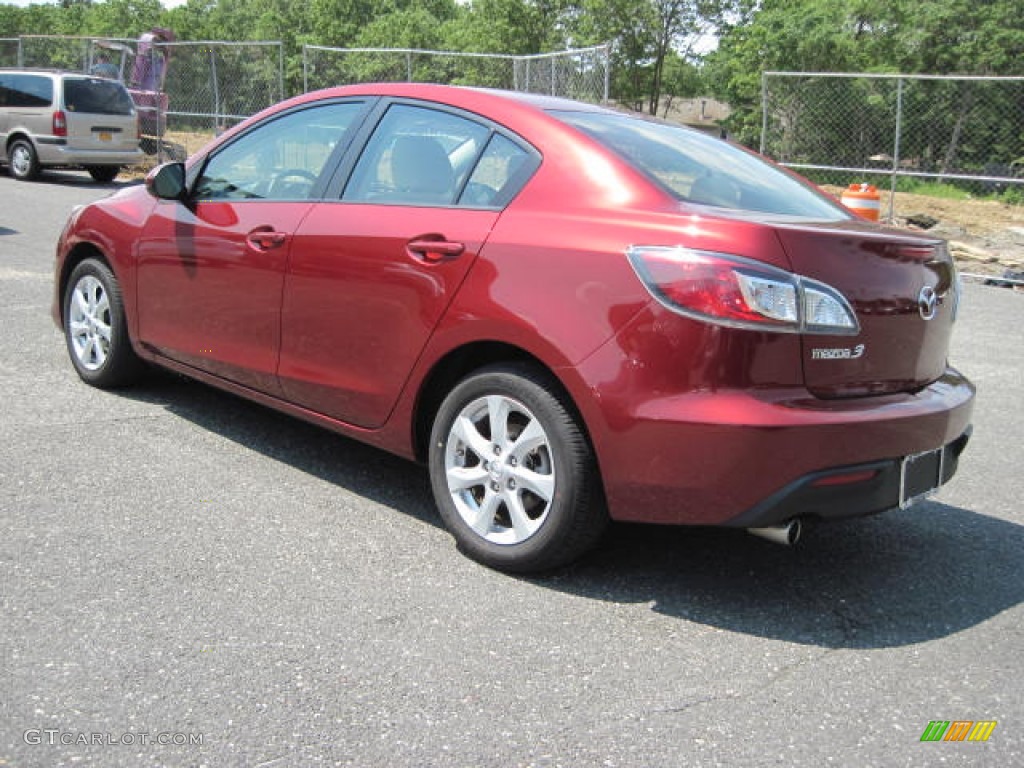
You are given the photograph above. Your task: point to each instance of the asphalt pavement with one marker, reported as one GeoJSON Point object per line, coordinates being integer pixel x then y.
{"type": "Point", "coordinates": [191, 579]}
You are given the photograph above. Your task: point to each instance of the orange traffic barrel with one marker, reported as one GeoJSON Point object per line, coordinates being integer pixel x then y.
{"type": "Point", "coordinates": [862, 199]}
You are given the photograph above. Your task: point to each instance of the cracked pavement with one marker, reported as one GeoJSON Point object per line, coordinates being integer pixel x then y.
{"type": "Point", "coordinates": [175, 560]}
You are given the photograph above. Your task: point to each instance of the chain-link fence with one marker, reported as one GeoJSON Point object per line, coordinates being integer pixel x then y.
{"type": "Point", "coordinates": [210, 86]}
{"type": "Point", "coordinates": [185, 93]}
{"type": "Point", "coordinates": [579, 74]}
{"type": "Point", "coordinates": [842, 128]}
{"type": "Point", "coordinates": [583, 74]}
{"type": "Point", "coordinates": [75, 54]}
{"type": "Point", "coordinates": [9, 50]}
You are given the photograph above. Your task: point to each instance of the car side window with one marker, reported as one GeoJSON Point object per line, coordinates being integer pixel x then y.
{"type": "Point", "coordinates": [416, 156]}
{"type": "Point", "coordinates": [27, 91]}
{"type": "Point", "coordinates": [279, 160]}
{"type": "Point", "coordinates": [501, 172]}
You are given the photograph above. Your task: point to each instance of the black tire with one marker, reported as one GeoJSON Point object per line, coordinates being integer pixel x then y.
{"type": "Point", "coordinates": [95, 328]}
{"type": "Point", "coordinates": [104, 174]}
{"type": "Point", "coordinates": [546, 532]}
{"type": "Point", "coordinates": [22, 160]}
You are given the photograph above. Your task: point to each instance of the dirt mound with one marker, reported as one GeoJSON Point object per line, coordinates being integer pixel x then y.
{"type": "Point", "coordinates": [985, 236]}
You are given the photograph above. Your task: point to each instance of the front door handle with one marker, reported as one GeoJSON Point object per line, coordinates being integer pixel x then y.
{"type": "Point", "coordinates": [434, 251]}
{"type": "Point", "coordinates": [263, 240]}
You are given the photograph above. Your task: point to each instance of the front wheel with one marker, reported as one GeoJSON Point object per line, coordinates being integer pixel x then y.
{"type": "Point", "coordinates": [95, 327]}
{"type": "Point", "coordinates": [512, 473]}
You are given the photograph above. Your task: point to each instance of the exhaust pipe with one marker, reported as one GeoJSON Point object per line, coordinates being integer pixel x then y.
{"type": "Point", "coordinates": [786, 534]}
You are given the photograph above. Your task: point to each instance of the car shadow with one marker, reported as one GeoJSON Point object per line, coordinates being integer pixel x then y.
{"type": "Point", "coordinates": [362, 469]}
{"type": "Point", "coordinates": [893, 580]}
{"type": "Point", "coordinates": [897, 579]}
{"type": "Point", "coordinates": [67, 178]}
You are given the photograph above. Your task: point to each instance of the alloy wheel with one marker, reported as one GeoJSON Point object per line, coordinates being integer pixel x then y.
{"type": "Point", "coordinates": [500, 470]}
{"type": "Point", "coordinates": [89, 323]}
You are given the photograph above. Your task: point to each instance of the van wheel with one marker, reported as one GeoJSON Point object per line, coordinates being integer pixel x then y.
{"type": "Point", "coordinates": [24, 163]}
{"type": "Point", "coordinates": [512, 473]}
{"type": "Point", "coordinates": [103, 173]}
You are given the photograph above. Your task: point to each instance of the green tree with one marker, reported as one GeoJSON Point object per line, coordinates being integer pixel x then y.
{"type": "Point", "coordinates": [949, 125]}
{"type": "Point", "coordinates": [120, 18]}
{"type": "Point", "coordinates": [646, 36]}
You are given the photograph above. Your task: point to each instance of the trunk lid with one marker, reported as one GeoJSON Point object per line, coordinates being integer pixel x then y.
{"type": "Point", "coordinates": [904, 291]}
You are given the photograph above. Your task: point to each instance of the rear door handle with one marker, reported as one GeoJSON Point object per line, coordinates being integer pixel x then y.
{"type": "Point", "coordinates": [262, 240]}
{"type": "Point", "coordinates": [435, 250]}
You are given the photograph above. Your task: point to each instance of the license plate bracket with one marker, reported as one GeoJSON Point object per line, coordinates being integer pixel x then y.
{"type": "Point", "coordinates": [921, 475]}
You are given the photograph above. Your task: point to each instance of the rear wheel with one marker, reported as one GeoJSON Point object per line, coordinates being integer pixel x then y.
{"type": "Point", "coordinates": [24, 162]}
{"type": "Point", "coordinates": [103, 173]}
{"type": "Point", "coordinates": [95, 328]}
{"type": "Point", "coordinates": [512, 473]}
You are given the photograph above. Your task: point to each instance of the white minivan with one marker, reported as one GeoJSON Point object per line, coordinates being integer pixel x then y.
{"type": "Point", "coordinates": [54, 119]}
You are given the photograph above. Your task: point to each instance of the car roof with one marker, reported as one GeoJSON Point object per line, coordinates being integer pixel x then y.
{"type": "Point", "coordinates": [50, 71]}
{"type": "Point", "coordinates": [484, 100]}
{"type": "Point", "coordinates": [33, 70]}
{"type": "Point", "coordinates": [543, 101]}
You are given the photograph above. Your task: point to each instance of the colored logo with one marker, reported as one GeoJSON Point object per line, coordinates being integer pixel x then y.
{"type": "Point", "coordinates": [958, 730]}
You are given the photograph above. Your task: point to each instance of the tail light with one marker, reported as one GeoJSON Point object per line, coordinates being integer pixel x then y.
{"type": "Point", "coordinates": [741, 293]}
{"type": "Point", "coordinates": [60, 123]}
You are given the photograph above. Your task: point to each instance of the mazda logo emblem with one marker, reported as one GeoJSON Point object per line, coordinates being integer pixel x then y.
{"type": "Point", "coordinates": [927, 302]}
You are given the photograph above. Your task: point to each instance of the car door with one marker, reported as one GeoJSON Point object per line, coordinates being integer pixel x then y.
{"type": "Point", "coordinates": [211, 269]}
{"type": "Point", "coordinates": [372, 273]}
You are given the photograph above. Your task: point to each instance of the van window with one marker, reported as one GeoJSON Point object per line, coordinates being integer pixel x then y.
{"type": "Point", "coordinates": [21, 90]}
{"type": "Point", "coordinates": [96, 97]}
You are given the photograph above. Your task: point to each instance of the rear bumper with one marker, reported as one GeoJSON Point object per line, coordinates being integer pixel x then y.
{"type": "Point", "coordinates": [854, 491]}
{"type": "Point", "coordinates": [751, 458]}
{"type": "Point", "coordinates": [63, 155]}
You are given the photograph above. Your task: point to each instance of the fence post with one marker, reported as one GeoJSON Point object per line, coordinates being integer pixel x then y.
{"type": "Point", "coordinates": [305, 69]}
{"type": "Point", "coordinates": [896, 148]}
{"type": "Point", "coordinates": [280, 71]}
{"type": "Point", "coordinates": [764, 110]}
{"type": "Point", "coordinates": [408, 66]}
{"type": "Point", "coordinates": [161, 113]}
{"type": "Point", "coordinates": [607, 70]}
{"type": "Point", "coordinates": [215, 82]}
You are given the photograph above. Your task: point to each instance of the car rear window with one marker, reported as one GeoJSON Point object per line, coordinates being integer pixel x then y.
{"type": "Point", "coordinates": [96, 97]}
{"type": "Point", "coordinates": [702, 169]}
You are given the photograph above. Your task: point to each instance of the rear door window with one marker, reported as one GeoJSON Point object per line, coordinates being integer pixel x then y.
{"type": "Point", "coordinates": [96, 97]}
{"type": "Point", "coordinates": [500, 173]}
{"type": "Point", "coordinates": [416, 156]}
{"type": "Point", "coordinates": [25, 91]}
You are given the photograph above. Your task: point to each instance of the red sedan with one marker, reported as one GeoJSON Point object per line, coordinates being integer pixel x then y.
{"type": "Point", "coordinates": [569, 313]}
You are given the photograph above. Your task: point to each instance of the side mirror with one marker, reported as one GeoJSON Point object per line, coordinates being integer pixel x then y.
{"type": "Point", "coordinates": [167, 181]}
